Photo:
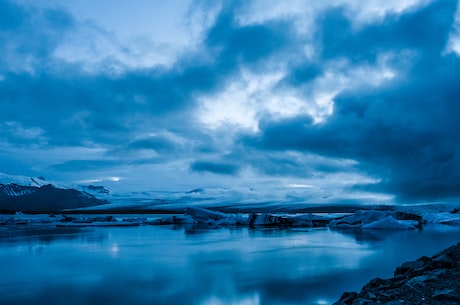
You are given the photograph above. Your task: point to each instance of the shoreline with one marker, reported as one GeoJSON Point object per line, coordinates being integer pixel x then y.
{"type": "Point", "coordinates": [427, 280]}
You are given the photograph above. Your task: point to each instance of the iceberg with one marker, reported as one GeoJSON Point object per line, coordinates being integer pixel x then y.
{"type": "Point", "coordinates": [203, 215]}
{"type": "Point", "coordinates": [97, 224]}
{"type": "Point", "coordinates": [193, 215]}
{"type": "Point", "coordinates": [372, 219]}
{"type": "Point", "coordinates": [300, 220]}
{"type": "Point", "coordinates": [171, 220]}
{"type": "Point", "coordinates": [213, 218]}
{"type": "Point", "coordinates": [269, 220]}
{"type": "Point", "coordinates": [390, 223]}
{"type": "Point", "coordinates": [444, 218]}
{"type": "Point", "coordinates": [358, 219]}
{"type": "Point", "coordinates": [98, 221]}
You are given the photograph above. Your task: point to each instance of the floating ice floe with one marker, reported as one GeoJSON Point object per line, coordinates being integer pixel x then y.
{"type": "Point", "coordinates": [213, 218]}
{"type": "Point", "coordinates": [300, 220]}
{"type": "Point", "coordinates": [269, 220]}
{"type": "Point", "coordinates": [363, 219]}
{"type": "Point", "coordinates": [171, 220]}
{"type": "Point", "coordinates": [99, 221]}
{"type": "Point", "coordinates": [444, 218]}
{"type": "Point", "coordinates": [97, 224]}
{"type": "Point", "coordinates": [371, 219]}
{"type": "Point", "coordinates": [390, 223]}
{"type": "Point", "coordinates": [24, 219]}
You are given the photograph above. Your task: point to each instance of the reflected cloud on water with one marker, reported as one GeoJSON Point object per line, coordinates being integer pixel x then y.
{"type": "Point", "coordinates": [176, 265]}
{"type": "Point", "coordinates": [44, 234]}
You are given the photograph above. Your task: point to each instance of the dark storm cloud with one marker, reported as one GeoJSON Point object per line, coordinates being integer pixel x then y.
{"type": "Point", "coordinates": [73, 106]}
{"type": "Point", "coordinates": [29, 35]}
{"type": "Point", "coordinates": [246, 44]}
{"type": "Point", "coordinates": [425, 30]}
{"type": "Point", "coordinates": [402, 131]}
{"type": "Point", "coordinates": [276, 163]}
{"type": "Point", "coordinates": [302, 73]}
{"type": "Point", "coordinates": [406, 132]}
{"type": "Point", "coordinates": [214, 167]}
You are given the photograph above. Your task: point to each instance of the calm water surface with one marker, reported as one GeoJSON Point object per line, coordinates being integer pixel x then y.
{"type": "Point", "coordinates": [171, 265]}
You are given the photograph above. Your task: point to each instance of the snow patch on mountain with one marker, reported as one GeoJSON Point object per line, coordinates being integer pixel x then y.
{"type": "Point", "coordinates": [28, 181]}
{"type": "Point", "coordinates": [16, 190]}
{"type": "Point", "coordinates": [13, 185]}
{"type": "Point", "coordinates": [19, 193]}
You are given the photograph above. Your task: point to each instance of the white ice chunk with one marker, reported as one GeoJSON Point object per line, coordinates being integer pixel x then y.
{"type": "Point", "coordinates": [358, 219]}
{"type": "Point", "coordinates": [300, 220]}
{"type": "Point", "coordinates": [303, 220]}
{"type": "Point", "coordinates": [371, 219]}
{"type": "Point", "coordinates": [442, 218]}
{"type": "Point", "coordinates": [172, 220]}
{"type": "Point", "coordinates": [205, 216]}
{"type": "Point", "coordinates": [269, 220]}
{"type": "Point", "coordinates": [390, 223]}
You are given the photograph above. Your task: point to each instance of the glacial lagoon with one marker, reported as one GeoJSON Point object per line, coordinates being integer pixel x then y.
{"type": "Point", "coordinates": [177, 265]}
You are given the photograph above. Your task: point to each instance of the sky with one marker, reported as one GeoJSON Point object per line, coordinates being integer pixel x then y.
{"type": "Point", "coordinates": [319, 101]}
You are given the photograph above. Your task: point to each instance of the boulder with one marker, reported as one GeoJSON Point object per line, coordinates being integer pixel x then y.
{"type": "Point", "coordinates": [427, 280]}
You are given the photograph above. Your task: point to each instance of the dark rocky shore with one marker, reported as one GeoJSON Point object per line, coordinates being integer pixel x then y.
{"type": "Point", "coordinates": [433, 281]}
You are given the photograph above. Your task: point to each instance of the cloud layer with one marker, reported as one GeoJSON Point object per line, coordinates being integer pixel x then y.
{"type": "Point", "coordinates": [357, 102]}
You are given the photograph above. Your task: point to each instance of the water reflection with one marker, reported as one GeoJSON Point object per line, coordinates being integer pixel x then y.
{"type": "Point", "coordinates": [42, 234]}
{"type": "Point", "coordinates": [167, 265]}
{"type": "Point", "coordinates": [366, 236]}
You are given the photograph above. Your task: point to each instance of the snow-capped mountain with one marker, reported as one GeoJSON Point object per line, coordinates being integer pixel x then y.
{"type": "Point", "coordinates": [22, 180]}
{"type": "Point", "coordinates": [16, 190]}
{"type": "Point", "coordinates": [19, 193]}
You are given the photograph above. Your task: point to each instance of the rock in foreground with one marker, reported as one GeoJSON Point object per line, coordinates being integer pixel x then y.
{"type": "Point", "coordinates": [424, 281]}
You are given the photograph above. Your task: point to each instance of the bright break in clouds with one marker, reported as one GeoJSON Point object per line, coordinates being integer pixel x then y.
{"type": "Point", "coordinates": [318, 101]}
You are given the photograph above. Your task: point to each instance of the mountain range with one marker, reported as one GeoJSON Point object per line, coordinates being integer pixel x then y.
{"type": "Point", "coordinates": [19, 193]}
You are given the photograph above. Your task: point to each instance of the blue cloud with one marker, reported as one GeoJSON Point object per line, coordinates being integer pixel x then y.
{"type": "Point", "coordinates": [425, 30]}
{"type": "Point", "coordinates": [402, 131]}
{"type": "Point", "coordinates": [30, 35]}
{"type": "Point", "coordinates": [72, 106]}
{"type": "Point", "coordinates": [302, 73]}
{"type": "Point", "coordinates": [10, 16]}
{"type": "Point", "coordinates": [246, 44]}
{"type": "Point", "coordinates": [214, 167]}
